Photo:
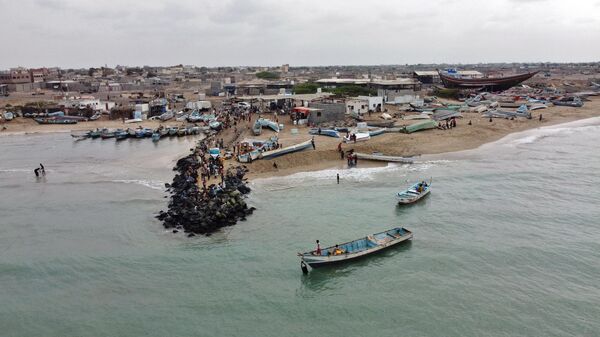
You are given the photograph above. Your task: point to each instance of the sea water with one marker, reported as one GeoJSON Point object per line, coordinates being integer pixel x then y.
{"type": "Point", "coordinates": [506, 244]}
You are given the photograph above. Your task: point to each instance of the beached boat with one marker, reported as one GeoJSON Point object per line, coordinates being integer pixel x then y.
{"type": "Point", "coordinates": [381, 124]}
{"type": "Point", "coordinates": [166, 116]}
{"type": "Point", "coordinates": [381, 157]}
{"type": "Point", "coordinates": [443, 114]}
{"type": "Point", "coordinates": [55, 121]}
{"type": "Point", "coordinates": [324, 132]}
{"type": "Point", "coordinates": [248, 157]}
{"type": "Point", "coordinates": [257, 129]}
{"type": "Point", "coordinates": [215, 125]}
{"type": "Point", "coordinates": [414, 193]}
{"type": "Point", "coordinates": [419, 126]}
{"type": "Point", "coordinates": [155, 136]}
{"type": "Point", "coordinates": [133, 120]}
{"type": "Point", "coordinates": [352, 250]}
{"type": "Point", "coordinates": [486, 83]}
{"type": "Point", "coordinates": [263, 122]}
{"type": "Point", "coordinates": [360, 137]}
{"type": "Point", "coordinates": [279, 152]}
{"type": "Point", "coordinates": [9, 116]}
{"type": "Point", "coordinates": [574, 102]}
{"type": "Point", "coordinates": [377, 132]}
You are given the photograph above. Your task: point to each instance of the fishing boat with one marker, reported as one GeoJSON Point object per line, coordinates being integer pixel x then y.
{"type": "Point", "coordinates": [9, 116]}
{"type": "Point", "coordinates": [414, 193]}
{"type": "Point", "coordinates": [443, 114]}
{"type": "Point", "coordinates": [257, 128]}
{"type": "Point", "coordinates": [53, 120]}
{"type": "Point", "coordinates": [121, 134]}
{"type": "Point", "coordinates": [81, 134]}
{"type": "Point", "coordinates": [214, 152]}
{"type": "Point", "coordinates": [249, 156]}
{"type": "Point", "coordinates": [352, 250]}
{"type": "Point", "coordinates": [381, 124]}
{"type": "Point", "coordinates": [574, 102]}
{"type": "Point", "coordinates": [215, 125]}
{"type": "Point", "coordinates": [95, 133]}
{"type": "Point", "coordinates": [360, 137]}
{"type": "Point", "coordinates": [155, 136]}
{"type": "Point", "coordinates": [381, 157]}
{"type": "Point", "coordinates": [263, 122]}
{"type": "Point", "coordinates": [419, 126]}
{"type": "Point", "coordinates": [173, 131]}
{"type": "Point", "coordinates": [106, 133]}
{"type": "Point", "coordinates": [486, 83]}
{"type": "Point", "coordinates": [377, 132]}
{"type": "Point", "coordinates": [324, 132]}
{"type": "Point", "coordinates": [279, 152]}
{"type": "Point", "coordinates": [181, 132]}
{"type": "Point", "coordinates": [166, 116]}
{"type": "Point", "coordinates": [133, 120]}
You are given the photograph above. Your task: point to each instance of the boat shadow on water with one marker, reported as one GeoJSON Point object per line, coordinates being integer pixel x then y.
{"type": "Point", "coordinates": [327, 278]}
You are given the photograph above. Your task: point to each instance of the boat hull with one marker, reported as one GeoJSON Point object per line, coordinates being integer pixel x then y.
{"type": "Point", "coordinates": [317, 261]}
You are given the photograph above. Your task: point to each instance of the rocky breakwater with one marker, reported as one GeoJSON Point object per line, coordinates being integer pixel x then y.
{"type": "Point", "coordinates": [198, 210]}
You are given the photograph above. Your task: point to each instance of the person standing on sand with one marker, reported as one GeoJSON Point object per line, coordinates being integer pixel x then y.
{"type": "Point", "coordinates": [340, 147]}
{"type": "Point", "coordinates": [312, 141]}
{"type": "Point", "coordinates": [338, 178]}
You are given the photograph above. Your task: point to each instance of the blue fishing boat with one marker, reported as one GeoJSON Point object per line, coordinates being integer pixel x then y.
{"type": "Point", "coordinates": [324, 132]}
{"type": "Point", "coordinates": [352, 250]}
{"type": "Point", "coordinates": [155, 136]}
{"type": "Point", "coordinates": [215, 125]}
{"type": "Point", "coordinates": [121, 134]}
{"type": "Point", "coordinates": [248, 157]}
{"type": "Point", "coordinates": [414, 193]}
{"type": "Point", "coordinates": [377, 132]}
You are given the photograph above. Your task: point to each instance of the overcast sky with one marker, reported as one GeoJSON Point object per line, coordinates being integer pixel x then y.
{"type": "Point", "coordinates": [84, 33]}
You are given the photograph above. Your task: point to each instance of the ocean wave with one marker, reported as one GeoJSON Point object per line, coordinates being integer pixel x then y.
{"type": "Point", "coordinates": [15, 170]}
{"type": "Point", "coordinates": [357, 174]}
{"type": "Point", "coordinates": [561, 130]}
{"type": "Point", "coordinates": [153, 184]}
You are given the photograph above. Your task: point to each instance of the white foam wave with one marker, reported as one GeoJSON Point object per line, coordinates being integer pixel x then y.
{"type": "Point", "coordinates": [153, 184]}
{"type": "Point", "coordinates": [16, 170]}
{"type": "Point", "coordinates": [352, 175]}
{"type": "Point", "coordinates": [536, 135]}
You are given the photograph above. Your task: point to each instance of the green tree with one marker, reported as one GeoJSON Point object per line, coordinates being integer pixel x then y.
{"type": "Point", "coordinates": [267, 75]}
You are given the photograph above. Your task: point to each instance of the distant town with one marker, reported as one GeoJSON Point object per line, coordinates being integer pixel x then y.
{"type": "Point", "coordinates": [104, 88]}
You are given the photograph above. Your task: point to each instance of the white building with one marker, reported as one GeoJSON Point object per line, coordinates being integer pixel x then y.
{"type": "Point", "coordinates": [362, 104]}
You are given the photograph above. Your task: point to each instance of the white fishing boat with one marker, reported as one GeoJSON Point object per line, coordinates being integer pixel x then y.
{"type": "Point", "coordinates": [414, 193]}
{"type": "Point", "coordinates": [279, 152]}
{"type": "Point", "coordinates": [381, 157]}
{"type": "Point", "coordinates": [360, 137]}
{"type": "Point", "coordinates": [352, 250]}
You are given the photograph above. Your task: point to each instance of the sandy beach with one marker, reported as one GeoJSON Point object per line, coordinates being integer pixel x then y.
{"type": "Point", "coordinates": [436, 141]}
{"type": "Point", "coordinates": [463, 137]}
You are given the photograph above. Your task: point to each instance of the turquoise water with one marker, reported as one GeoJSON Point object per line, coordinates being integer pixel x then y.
{"type": "Point", "coordinates": [507, 244]}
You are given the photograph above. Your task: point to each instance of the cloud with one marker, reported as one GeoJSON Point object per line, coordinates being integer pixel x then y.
{"type": "Point", "coordinates": [76, 33]}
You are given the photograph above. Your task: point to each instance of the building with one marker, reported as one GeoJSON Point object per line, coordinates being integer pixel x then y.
{"type": "Point", "coordinates": [38, 75]}
{"type": "Point", "coordinates": [326, 112]}
{"type": "Point", "coordinates": [363, 104]}
{"type": "Point", "coordinates": [15, 76]}
{"type": "Point", "coordinates": [390, 89]}
{"type": "Point", "coordinates": [3, 89]}
{"type": "Point", "coordinates": [285, 68]}
{"type": "Point", "coordinates": [427, 76]}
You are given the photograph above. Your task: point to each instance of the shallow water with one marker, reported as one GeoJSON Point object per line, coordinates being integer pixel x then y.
{"type": "Point", "coordinates": [507, 244]}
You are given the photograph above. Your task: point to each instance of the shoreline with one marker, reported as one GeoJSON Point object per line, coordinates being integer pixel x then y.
{"type": "Point", "coordinates": [429, 145]}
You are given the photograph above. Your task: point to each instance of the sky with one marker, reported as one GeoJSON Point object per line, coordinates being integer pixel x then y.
{"type": "Point", "coordinates": [86, 33]}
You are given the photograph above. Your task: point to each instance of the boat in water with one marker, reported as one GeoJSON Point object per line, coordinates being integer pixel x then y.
{"type": "Point", "coordinates": [324, 132]}
{"type": "Point", "coordinates": [155, 136]}
{"type": "Point", "coordinates": [121, 134]}
{"type": "Point", "coordinates": [352, 250]}
{"type": "Point", "coordinates": [414, 193]}
{"type": "Point", "coordinates": [279, 152]}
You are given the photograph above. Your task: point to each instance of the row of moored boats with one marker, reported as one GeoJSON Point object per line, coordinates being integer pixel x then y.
{"type": "Point", "coordinates": [141, 132]}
